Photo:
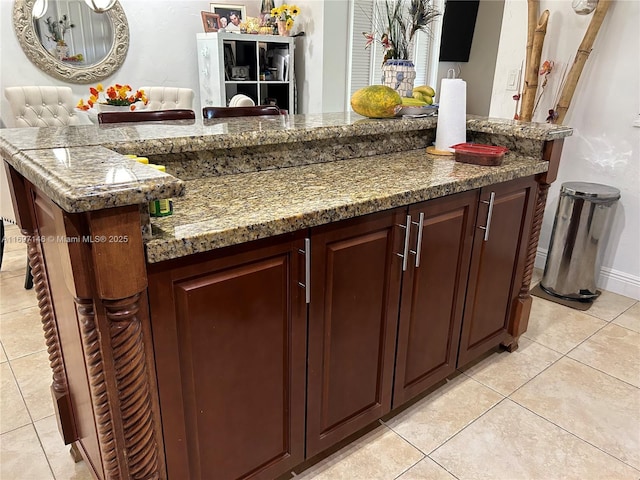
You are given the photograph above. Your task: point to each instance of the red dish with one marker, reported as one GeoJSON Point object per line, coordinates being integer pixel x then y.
{"type": "Point", "coordinates": [479, 154]}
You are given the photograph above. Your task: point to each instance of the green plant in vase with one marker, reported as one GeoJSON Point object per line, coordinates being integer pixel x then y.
{"type": "Point", "coordinates": [58, 29]}
{"type": "Point", "coordinates": [395, 26]}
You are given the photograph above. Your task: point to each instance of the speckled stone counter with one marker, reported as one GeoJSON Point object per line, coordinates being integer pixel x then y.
{"type": "Point", "coordinates": [227, 210]}
{"type": "Point", "coordinates": [252, 177]}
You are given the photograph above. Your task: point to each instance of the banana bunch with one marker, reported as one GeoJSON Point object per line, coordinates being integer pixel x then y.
{"type": "Point", "coordinates": [424, 93]}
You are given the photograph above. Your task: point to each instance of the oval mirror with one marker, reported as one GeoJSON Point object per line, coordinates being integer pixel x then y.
{"type": "Point", "coordinates": [68, 40]}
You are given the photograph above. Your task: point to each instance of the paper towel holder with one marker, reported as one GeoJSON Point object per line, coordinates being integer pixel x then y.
{"type": "Point", "coordinates": [432, 149]}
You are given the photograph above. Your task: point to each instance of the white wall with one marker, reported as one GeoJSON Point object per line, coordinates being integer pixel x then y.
{"type": "Point", "coordinates": [309, 57]}
{"type": "Point", "coordinates": [335, 44]}
{"type": "Point", "coordinates": [478, 72]}
{"type": "Point", "coordinates": [605, 145]}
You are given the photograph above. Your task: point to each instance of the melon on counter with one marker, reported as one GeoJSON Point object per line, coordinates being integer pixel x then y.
{"type": "Point", "coordinates": [375, 101]}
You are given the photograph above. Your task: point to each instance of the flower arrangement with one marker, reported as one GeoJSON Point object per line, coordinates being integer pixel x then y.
{"type": "Point", "coordinates": [118, 95]}
{"type": "Point", "coordinates": [58, 29]}
{"type": "Point", "coordinates": [286, 13]}
{"type": "Point", "coordinates": [397, 23]}
{"type": "Point", "coordinates": [250, 25]}
{"type": "Point", "coordinates": [547, 67]}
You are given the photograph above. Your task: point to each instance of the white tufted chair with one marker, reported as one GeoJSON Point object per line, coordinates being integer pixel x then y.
{"type": "Point", "coordinates": [38, 107]}
{"type": "Point", "coordinates": [43, 107]}
{"type": "Point", "coordinates": [168, 98]}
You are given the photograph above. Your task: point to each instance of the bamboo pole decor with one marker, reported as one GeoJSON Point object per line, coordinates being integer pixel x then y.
{"type": "Point", "coordinates": [533, 7]}
{"type": "Point", "coordinates": [582, 54]}
{"type": "Point", "coordinates": [531, 72]}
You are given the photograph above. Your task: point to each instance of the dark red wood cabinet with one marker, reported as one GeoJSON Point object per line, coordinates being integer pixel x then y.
{"type": "Point", "coordinates": [497, 265]}
{"type": "Point", "coordinates": [433, 291]}
{"type": "Point", "coordinates": [253, 380]}
{"type": "Point", "coordinates": [229, 333]}
{"type": "Point", "coordinates": [353, 314]}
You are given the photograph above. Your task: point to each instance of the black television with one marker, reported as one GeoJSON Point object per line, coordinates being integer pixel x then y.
{"type": "Point", "coordinates": [458, 24]}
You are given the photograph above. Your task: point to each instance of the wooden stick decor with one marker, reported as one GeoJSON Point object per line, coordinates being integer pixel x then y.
{"type": "Point", "coordinates": [582, 54]}
{"type": "Point", "coordinates": [532, 21]}
{"type": "Point", "coordinates": [531, 71]}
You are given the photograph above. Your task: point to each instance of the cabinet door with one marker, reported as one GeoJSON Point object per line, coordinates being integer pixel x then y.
{"type": "Point", "coordinates": [230, 343]}
{"type": "Point", "coordinates": [497, 265]}
{"type": "Point", "coordinates": [355, 288]}
{"type": "Point", "coordinates": [433, 294]}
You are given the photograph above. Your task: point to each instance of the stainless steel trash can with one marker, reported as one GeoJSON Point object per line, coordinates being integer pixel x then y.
{"type": "Point", "coordinates": [578, 238]}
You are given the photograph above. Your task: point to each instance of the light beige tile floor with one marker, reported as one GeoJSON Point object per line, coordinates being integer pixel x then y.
{"type": "Point", "coordinates": [565, 405]}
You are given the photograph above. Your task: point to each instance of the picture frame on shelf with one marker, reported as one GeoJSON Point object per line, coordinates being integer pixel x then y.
{"type": "Point", "coordinates": [230, 15]}
{"type": "Point", "coordinates": [210, 21]}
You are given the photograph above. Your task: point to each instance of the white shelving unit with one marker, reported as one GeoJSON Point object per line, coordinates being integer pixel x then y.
{"type": "Point", "coordinates": [259, 66]}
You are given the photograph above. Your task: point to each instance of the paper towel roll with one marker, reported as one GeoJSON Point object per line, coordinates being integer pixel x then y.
{"type": "Point", "coordinates": [452, 114]}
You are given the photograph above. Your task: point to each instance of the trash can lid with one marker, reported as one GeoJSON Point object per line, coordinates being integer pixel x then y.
{"type": "Point", "coordinates": [594, 191]}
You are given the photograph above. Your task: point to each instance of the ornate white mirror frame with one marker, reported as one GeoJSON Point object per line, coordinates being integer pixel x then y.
{"type": "Point", "coordinates": [35, 51]}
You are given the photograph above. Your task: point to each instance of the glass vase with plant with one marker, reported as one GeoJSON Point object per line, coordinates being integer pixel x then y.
{"type": "Point", "coordinates": [58, 29]}
{"type": "Point", "coordinates": [396, 23]}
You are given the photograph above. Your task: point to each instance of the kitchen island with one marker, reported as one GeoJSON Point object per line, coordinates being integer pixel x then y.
{"type": "Point", "coordinates": [318, 272]}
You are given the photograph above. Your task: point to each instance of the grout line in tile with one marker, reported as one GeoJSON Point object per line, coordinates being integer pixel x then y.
{"type": "Point", "coordinates": [468, 424]}
{"type": "Point", "coordinates": [16, 428]}
{"type": "Point", "coordinates": [602, 371]}
{"type": "Point", "coordinates": [15, 379]}
{"type": "Point", "coordinates": [566, 355]}
{"type": "Point", "coordinates": [42, 446]}
{"type": "Point", "coordinates": [33, 427]}
{"type": "Point", "coordinates": [443, 467]}
{"type": "Point", "coordinates": [10, 274]}
{"type": "Point", "coordinates": [404, 439]}
{"type": "Point", "coordinates": [589, 337]}
{"type": "Point", "coordinates": [574, 435]}
{"type": "Point", "coordinates": [562, 355]}
{"type": "Point", "coordinates": [410, 467]}
{"type": "Point", "coordinates": [621, 313]}
{"type": "Point", "coordinates": [457, 432]}
{"type": "Point", "coordinates": [43, 349]}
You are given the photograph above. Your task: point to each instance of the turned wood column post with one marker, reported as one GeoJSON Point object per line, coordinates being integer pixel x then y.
{"type": "Point", "coordinates": [125, 393]}
{"type": "Point", "coordinates": [25, 216]}
{"type": "Point", "coordinates": [552, 150]}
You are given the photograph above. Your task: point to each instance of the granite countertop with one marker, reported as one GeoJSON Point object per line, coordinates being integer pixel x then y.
{"type": "Point", "coordinates": [151, 138]}
{"type": "Point", "coordinates": [79, 167]}
{"type": "Point", "coordinates": [83, 168]}
{"type": "Point", "coordinates": [232, 209]}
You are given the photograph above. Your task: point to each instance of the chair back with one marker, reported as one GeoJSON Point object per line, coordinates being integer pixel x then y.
{"type": "Point", "coordinates": [168, 98]}
{"type": "Point", "coordinates": [223, 112]}
{"type": "Point", "coordinates": [43, 107]}
{"type": "Point", "coordinates": [146, 116]}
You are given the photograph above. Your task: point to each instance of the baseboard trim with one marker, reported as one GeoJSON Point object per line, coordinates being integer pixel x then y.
{"type": "Point", "coordinates": [611, 280]}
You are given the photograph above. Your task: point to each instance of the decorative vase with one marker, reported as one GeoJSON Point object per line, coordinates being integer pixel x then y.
{"type": "Point", "coordinates": [61, 51]}
{"type": "Point", "coordinates": [399, 75]}
{"type": "Point", "coordinates": [105, 107]}
{"type": "Point", "coordinates": [282, 28]}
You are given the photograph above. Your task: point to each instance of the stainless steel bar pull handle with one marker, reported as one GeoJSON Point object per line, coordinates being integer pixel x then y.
{"type": "Point", "coordinates": [307, 270]}
{"type": "Point", "coordinates": [489, 215]}
{"type": "Point", "coordinates": [405, 251]}
{"type": "Point", "coordinates": [416, 252]}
